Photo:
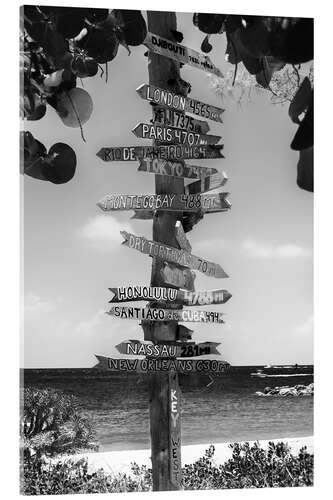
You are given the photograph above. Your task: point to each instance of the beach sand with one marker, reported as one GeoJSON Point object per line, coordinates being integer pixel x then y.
{"type": "Point", "coordinates": [115, 462]}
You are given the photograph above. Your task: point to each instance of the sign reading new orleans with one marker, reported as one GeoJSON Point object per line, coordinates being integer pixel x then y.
{"type": "Point", "coordinates": [173, 202]}
{"type": "Point", "coordinates": [154, 314]}
{"type": "Point", "coordinates": [181, 350]}
{"type": "Point", "coordinates": [171, 254]}
{"type": "Point", "coordinates": [174, 169]}
{"type": "Point", "coordinates": [163, 365]}
{"type": "Point", "coordinates": [164, 294]}
{"type": "Point", "coordinates": [172, 118]}
{"type": "Point", "coordinates": [179, 103]}
{"type": "Point", "coordinates": [174, 135]}
{"type": "Point", "coordinates": [168, 152]}
{"type": "Point", "coordinates": [185, 55]}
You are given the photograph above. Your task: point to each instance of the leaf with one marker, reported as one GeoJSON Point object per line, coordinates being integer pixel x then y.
{"type": "Point", "coordinates": [304, 135]}
{"type": "Point", "coordinates": [305, 169]}
{"type": "Point", "coordinates": [60, 165]}
{"type": "Point", "coordinates": [300, 101]}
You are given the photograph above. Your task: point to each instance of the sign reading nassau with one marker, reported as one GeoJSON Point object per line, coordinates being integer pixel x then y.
{"type": "Point", "coordinates": [154, 314]}
{"type": "Point", "coordinates": [179, 103]}
{"type": "Point", "coordinates": [174, 135]}
{"type": "Point", "coordinates": [162, 365]}
{"type": "Point", "coordinates": [185, 55]}
{"type": "Point", "coordinates": [171, 254]}
{"type": "Point", "coordinates": [181, 350]}
{"type": "Point", "coordinates": [168, 152]}
{"type": "Point", "coordinates": [175, 169]}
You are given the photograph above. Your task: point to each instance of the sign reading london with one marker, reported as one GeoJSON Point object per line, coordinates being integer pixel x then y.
{"type": "Point", "coordinates": [185, 55]}
{"type": "Point", "coordinates": [168, 152]}
{"type": "Point", "coordinates": [155, 314]}
{"type": "Point", "coordinates": [171, 254]}
{"type": "Point", "coordinates": [179, 103]}
{"type": "Point", "coordinates": [174, 135]}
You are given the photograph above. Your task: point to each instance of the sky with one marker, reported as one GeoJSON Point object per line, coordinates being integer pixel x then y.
{"type": "Point", "coordinates": [73, 252]}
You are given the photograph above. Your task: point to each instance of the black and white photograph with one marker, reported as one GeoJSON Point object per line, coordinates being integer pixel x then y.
{"type": "Point", "coordinates": [166, 162]}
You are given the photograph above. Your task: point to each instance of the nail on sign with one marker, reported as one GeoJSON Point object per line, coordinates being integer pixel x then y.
{"type": "Point", "coordinates": [174, 135]}
{"type": "Point", "coordinates": [179, 350]}
{"type": "Point", "coordinates": [174, 169]}
{"type": "Point", "coordinates": [154, 314]}
{"type": "Point", "coordinates": [171, 254]}
{"type": "Point", "coordinates": [168, 152]}
{"type": "Point", "coordinates": [172, 118]}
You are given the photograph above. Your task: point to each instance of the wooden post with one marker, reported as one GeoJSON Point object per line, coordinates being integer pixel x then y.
{"type": "Point", "coordinates": [165, 397]}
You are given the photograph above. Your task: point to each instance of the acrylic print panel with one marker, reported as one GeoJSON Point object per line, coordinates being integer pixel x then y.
{"type": "Point", "coordinates": [168, 170]}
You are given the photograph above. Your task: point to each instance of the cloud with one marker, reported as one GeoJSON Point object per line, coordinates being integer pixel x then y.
{"type": "Point", "coordinates": [34, 304]}
{"type": "Point", "coordinates": [268, 251]}
{"type": "Point", "coordinates": [103, 232]}
{"type": "Point", "coordinates": [305, 329]}
{"type": "Point", "coordinates": [90, 325]}
{"type": "Point", "coordinates": [203, 245]}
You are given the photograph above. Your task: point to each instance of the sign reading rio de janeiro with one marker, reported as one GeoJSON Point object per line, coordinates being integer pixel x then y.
{"type": "Point", "coordinates": [155, 314]}
{"type": "Point", "coordinates": [185, 55]}
{"type": "Point", "coordinates": [174, 135]}
{"type": "Point", "coordinates": [168, 152]}
{"type": "Point", "coordinates": [174, 169]}
{"type": "Point", "coordinates": [180, 103]}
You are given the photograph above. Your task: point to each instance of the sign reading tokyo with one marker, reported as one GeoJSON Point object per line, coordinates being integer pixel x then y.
{"type": "Point", "coordinates": [174, 169]}
{"type": "Point", "coordinates": [179, 103]}
{"type": "Point", "coordinates": [168, 152]}
{"type": "Point", "coordinates": [171, 254]}
{"type": "Point", "coordinates": [162, 365]}
{"type": "Point", "coordinates": [172, 118]}
{"type": "Point", "coordinates": [154, 314]}
{"type": "Point", "coordinates": [174, 135]}
{"type": "Point", "coordinates": [185, 55]}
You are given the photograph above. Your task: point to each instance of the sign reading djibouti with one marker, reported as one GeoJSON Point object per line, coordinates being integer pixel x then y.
{"type": "Point", "coordinates": [174, 169]}
{"type": "Point", "coordinates": [155, 314]}
{"type": "Point", "coordinates": [179, 103]}
{"type": "Point", "coordinates": [172, 118]}
{"type": "Point", "coordinates": [180, 53]}
{"type": "Point", "coordinates": [161, 365]}
{"type": "Point", "coordinates": [174, 135]}
{"type": "Point", "coordinates": [168, 152]}
{"type": "Point", "coordinates": [179, 350]}
{"type": "Point", "coordinates": [173, 202]}
{"type": "Point", "coordinates": [171, 254]}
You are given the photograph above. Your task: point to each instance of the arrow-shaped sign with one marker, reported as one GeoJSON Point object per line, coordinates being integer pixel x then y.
{"type": "Point", "coordinates": [180, 53]}
{"type": "Point", "coordinates": [174, 202]}
{"type": "Point", "coordinates": [175, 169]}
{"type": "Point", "coordinates": [173, 135]}
{"type": "Point", "coordinates": [179, 103]}
{"type": "Point", "coordinates": [178, 350]}
{"type": "Point", "coordinates": [178, 276]}
{"type": "Point", "coordinates": [155, 314]}
{"type": "Point", "coordinates": [181, 237]}
{"type": "Point", "coordinates": [172, 118]}
{"type": "Point", "coordinates": [171, 254]}
{"type": "Point", "coordinates": [167, 152]}
{"type": "Point", "coordinates": [207, 184]}
{"type": "Point", "coordinates": [161, 365]}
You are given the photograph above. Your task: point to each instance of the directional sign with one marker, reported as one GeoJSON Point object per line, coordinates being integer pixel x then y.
{"type": "Point", "coordinates": [174, 397]}
{"type": "Point", "coordinates": [173, 202]}
{"type": "Point", "coordinates": [161, 365]}
{"type": "Point", "coordinates": [178, 350]}
{"type": "Point", "coordinates": [174, 135]}
{"type": "Point", "coordinates": [180, 53]}
{"type": "Point", "coordinates": [154, 314]}
{"type": "Point", "coordinates": [172, 118]}
{"type": "Point", "coordinates": [174, 169]}
{"type": "Point", "coordinates": [181, 237]}
{"type": "Point", "coordinates": [168, 152]}
{"type": "Point", "coordinates": [178, 276]}
{"type": "Point", "coordinates": [179, 103]}
{"type": "Point", "coordinates": [171, 254]}
{"type": "Point", "coordinates": [207, 184]}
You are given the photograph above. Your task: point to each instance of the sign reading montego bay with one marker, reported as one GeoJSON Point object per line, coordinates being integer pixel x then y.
{"type": "Point", "coordinates": [185, 55]}
{"type": "Point", "coordinates": [164, 294]}
{"type": "Point", "coordinates": [174, 202]}
{"type": "Point", "coordinates": [171, 254]}
{"type": "Point", "coordinates": [174, 135]}
{"type": "Point", "coordinates": [174, 169]}
{"type": "Point", "coordinates": [168, 152]}
{"type": "Point", "coordinates": [179, 103]}
{"type": "Point", "coordinates": [155, 314]}
{"type": "Point", "coordinates": [162, 365]}
{"type": "Point", "coordinates": [181, 350]}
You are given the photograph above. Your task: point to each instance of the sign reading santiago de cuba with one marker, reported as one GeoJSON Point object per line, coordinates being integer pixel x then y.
{"type": "Point", "coordinates": [155, 314]}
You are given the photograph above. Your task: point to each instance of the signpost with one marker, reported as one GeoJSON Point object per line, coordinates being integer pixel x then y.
{"type": "Point", "coordinates": [174, 135]}
{"type": "Point", "coordinates": [181, 237]}
{"type": "Point", "coordinates": [180, 333]}
{"type": "Point", "coordinates": [174, 169]}
{"type": "Point", "coordinates": [167, 152]}
{"type": "Point", "coordinates": [178, 276]}
{"type": "Point", "coordinates": [171, 254]}
{"type": "Point", "coordinates": [178, 350]}
{"type": "Point", "coordinates": [169, 99]}
{"type": "Point", "coordinates": [207, 184]}
{"type": "Point", "coordinates": [154, 314]}
{"type": "Point", "coordinates": [172, 118]}
{"type": "Point", "coordinates": [180, 53]}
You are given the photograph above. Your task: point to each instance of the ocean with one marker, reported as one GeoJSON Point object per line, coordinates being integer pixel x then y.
{"type": "Point", "coordinates": [225, 410]}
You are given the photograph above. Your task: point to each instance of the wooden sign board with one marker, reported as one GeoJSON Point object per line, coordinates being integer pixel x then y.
{"type": "Point", "coordinates": [182, 333]}
{"type": "Point", "coordinates": [180, 53]}
{"type": "Point", "coordinates": [167, 152]}
{"type": "Point", "coordinates": [181, 237]}
{"type": "Point", "coordinates": [171, 254]}
{"type": "Point", "coordinates": [178, 276]}
{"type": "Point", "coordinates": [174, 169]}
{"type": "Point", "coordinates": [178, 102]}
{"type": "Point", "coordinates": [174, 135]}
{"type": "Point", "coordinates": [207, 184]}
{"type": "Point", "coordinates": [181, 350]}
{"type": "Point", "coordinates": [172, 118]}
{"type": "Point", "coordinates": [162, 365]}
{"type": "Point", "coordinates": [174, 396]}
{"type": "Point", "coordinates": [170, 202]}
{"type": "Point", "coordinates": [155, 314]}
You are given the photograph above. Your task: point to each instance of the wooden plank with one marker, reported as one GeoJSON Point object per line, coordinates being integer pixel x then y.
{"type": "Point", "coordinates": [172, 118]}
{"type": "Point", "coordinates": [175, 430]}
{"type": "Point", "coordinates": [176, 350]}
{"type": "Point", "coordinates": [207, 184]}
{"type": "Point", "coordinates": [173, 202]}
{"type": "Point", "coordinates": [173, 135]}
{"type": "Point", "coordinates": [178, 276]}
{"type": "Point", "coordinates": [156, 314]}
{"type": "Point", "coordinates": [181, 238]}
{"type": "Point", "coordinates": [174, 169]}
{"type": "Point", "coordinates": [145, 365]}
{"type": "Point", "coordinates": [171, 254]}
{"type": "Point", "coordinates": [180, 53]}
{"type": "Point", "coordinates": [167, 152]}
{"type": "Point", "coordinates": [169, 99]}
